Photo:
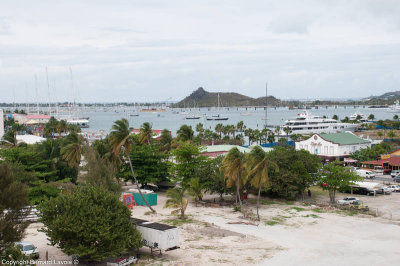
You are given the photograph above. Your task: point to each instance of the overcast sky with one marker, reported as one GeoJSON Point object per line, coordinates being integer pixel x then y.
{"type": "Point", "coordinates": [153, 50]}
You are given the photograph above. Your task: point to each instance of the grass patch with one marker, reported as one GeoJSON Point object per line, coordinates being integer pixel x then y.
{"type": "Point", "coordinates": [317, 210]}
{"type": "Point", "coordinates": [279, 219]}
{"type": "Point", "coordinates": [271, 202]}
{"type": "Point", "coordinates": [178, 222]}
{"type": "Point", "coordinates": [196, 238]}
{"type": "Point", "coordinates": [298, 209]}
{"type": "Point", "coordinates": [311, 215]}
{"type": "Point", "coordinates": [204, 247]}
{"type": "Point", "coordinates": [148, 213]}
{"type": "Point", "coordinates": [271, 223]}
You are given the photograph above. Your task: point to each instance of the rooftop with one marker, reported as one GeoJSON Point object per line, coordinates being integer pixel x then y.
{"type": "Point", "coordinates": [343, 138]}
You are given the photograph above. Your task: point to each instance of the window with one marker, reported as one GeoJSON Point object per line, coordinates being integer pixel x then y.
{"type": "Point", "coordinates": [325, 149]}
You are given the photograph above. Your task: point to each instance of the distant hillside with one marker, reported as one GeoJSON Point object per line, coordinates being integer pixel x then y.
{"type": "Point", "coordinates": [386, 96]}
{"type": "Point", "coordinates": [203, 98]}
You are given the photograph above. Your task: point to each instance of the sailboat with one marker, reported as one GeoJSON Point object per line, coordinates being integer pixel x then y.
{"type": "Point", "coordinates": [80, 122]}
{"type": "Point", "coordinates": [218, 116]}
{"type": "Point", "coordinates": [135, 112]}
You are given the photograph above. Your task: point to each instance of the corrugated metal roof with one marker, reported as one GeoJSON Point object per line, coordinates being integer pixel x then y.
{"type": "Point", "coordinates": [343, 138]}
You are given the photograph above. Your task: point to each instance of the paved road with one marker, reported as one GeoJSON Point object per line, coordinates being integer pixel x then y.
{"type": "Point", "coordinates": [382, 178]}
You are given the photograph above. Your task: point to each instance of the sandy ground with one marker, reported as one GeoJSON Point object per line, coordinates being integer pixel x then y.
{"type": "Point", "coordinates": [286, 235]}
{"type": "Point", "coordinates": [39, 239]}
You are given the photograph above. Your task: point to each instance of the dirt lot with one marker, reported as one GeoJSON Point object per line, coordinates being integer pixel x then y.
{"type": "Point", "coordinates": [288, 234]}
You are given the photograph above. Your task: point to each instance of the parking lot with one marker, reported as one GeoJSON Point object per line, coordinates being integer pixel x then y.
{"type": "Point", "coordinates": [387, 206]}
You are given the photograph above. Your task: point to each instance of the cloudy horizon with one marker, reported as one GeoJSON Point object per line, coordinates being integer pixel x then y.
{"type": "Point", "coordinates": [135, 51]}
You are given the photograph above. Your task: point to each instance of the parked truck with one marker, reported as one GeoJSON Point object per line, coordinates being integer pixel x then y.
{"type": "Point", "coordinates": [365, 173]}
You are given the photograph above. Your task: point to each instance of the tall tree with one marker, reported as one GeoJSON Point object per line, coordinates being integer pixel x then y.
{"type": "Point", "coordinates": [165, 140]}
{"type": "Point", "coordinates": [185, 133]}
{"type": "Point", "coordinates": [287, 131]}
{"type": "Point", "coordinates": [72, 151]}
{"type": "Point", "coordinates": [100, 171]}
{"type": "Point", "coordinates": [258, 165]}
{"type": "Point", "coordinates": [219, 128]}
{"type": "Point", "coordinates": [334, 177]}
{"type": "Point", "coordinates": [121, 142]}
{"type": "Point", "coordinates": [240, 126]}
{"type": "Point", "coordinates": [233, 165]}
{"type": "Point", "coordinates": [13, 198]}
{"type": "Point", "coordinates": [145, 134]}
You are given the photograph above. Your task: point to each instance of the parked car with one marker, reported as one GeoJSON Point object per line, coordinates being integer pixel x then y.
{"type": "Point", "coordinates": [384, 190]}
{"type": "Point", "coordinates": [347, 200]}
{"type": "Point", "coordinates": [394, 188]}
{"type": "Point", "coordinates": [28, 249]}
{"type": "Point", "coordinates": [395, 173]}
{"type": "Point", "coordinates": [397, 179]}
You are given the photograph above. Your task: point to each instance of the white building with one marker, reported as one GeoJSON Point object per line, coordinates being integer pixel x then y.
{"type": "Point", "coordinates": [333, 145]}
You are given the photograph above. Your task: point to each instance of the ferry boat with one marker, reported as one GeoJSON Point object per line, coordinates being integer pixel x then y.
{"type": "Point", "coordinates": [305, 123]}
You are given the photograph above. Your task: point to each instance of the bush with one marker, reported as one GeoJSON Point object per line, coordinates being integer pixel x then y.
{"type": "Point", "coordinates": [90, 222]}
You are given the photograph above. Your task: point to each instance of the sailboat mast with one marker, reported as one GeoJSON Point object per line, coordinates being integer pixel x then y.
{"type": "Point", "coordinates": [48, 90]}
{"type": "Point", "coordinates": [72, 86]}
{"type": "Point", "coordinates": [266, 105]}
{"type": "Point", "coordinates": [37, 96]}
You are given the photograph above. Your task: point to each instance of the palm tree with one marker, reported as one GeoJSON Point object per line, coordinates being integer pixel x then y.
{"type": "Point", "coordinates": [240, 126]}
{"type": "Point", "coordinates": [145, 133]}
{"type": "Point", "coordinates": [72, 151]}
{"type": "Point", "coordinates": [277, 130]}
{"type": "Point", "coordinates": [61, 127]}
{"type": "Point", "coordinates": [185, 133]}
{"type": "Point", "coordinates": [335, 117]}
{"type": "Point", "coordinates": [219, 128]}
{"type": "Point", "coordinates": [165, 140]}
{"type": "Point", "coordinates": [396, 117]}
{"type": "Point", "coordinates": [287, 130]}
{"type": "Point", "coordinates": [195, 189]}
{"type": "Point", "coordinates": [233, 165]}
{"type": "Point", "coordinates": [176, 199]}
{"type": "Point", "coordinates": [10, 138]}
{"type": "Point", "coordinates": [120, 139]}
{"type": "Point", "coordinates": [258, 165]}
{"type": "Point", "coordinates": [200, 128]}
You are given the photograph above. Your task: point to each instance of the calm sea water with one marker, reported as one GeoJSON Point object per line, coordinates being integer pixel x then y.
{"type": "Point", "coordinates": [102, 119]}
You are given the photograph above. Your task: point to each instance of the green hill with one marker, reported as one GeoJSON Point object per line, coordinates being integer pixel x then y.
{"type": "Point", "coordinates": [203, 98]}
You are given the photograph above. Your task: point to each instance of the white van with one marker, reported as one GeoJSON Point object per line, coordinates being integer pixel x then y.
{"type": "Point", "coordinates": [365, 173]}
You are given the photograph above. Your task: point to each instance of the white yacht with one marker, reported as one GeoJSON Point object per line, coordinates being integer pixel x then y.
{"type": "Point", "coordinates": [395, 108]}
{"type": "Point", "coordinates": [305, 123]}
{"type": "Point", "coordinates": [354, 116]}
